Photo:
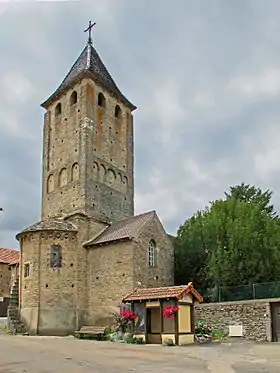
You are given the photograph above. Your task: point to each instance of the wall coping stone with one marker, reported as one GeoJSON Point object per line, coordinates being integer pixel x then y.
{"type": "Point", "coordinates": [241, 302]}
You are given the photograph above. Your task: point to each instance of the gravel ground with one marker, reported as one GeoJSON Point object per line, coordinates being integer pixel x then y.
{"type": "Point", "coordinates": [53, 354]}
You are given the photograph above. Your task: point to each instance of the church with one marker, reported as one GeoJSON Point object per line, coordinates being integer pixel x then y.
{"type": "Point", "coordinates": [89, 250]}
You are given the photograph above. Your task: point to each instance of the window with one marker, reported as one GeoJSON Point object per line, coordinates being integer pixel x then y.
{"type": "Point", "coordinates": [151, 253]}
{"type": "Point", "coordinates": [56, 257]}
{"type": "Point", "coordinates": [101, 100]}
{"type": "Point", "coordinates": [73, 98]}
{"type": "Point", "coordinates": [26, 270]}
{"type": "Point", "coordinates": [58, 109]}
{"type": "Point", "coordinates": [118, 112]}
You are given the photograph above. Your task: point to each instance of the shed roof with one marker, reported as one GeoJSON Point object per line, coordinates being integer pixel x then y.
{"type": "Point", "coordinates": [9, 256]}
{"type": "Point", "coordinates": [177, 292]}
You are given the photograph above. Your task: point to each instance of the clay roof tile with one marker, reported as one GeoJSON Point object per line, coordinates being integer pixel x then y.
{"type": "Point", "coordinates": [9, 256]}
{"type": "Point", "coordinates": [177, 292]}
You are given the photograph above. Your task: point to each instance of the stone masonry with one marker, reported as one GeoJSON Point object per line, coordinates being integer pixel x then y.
{"type": "Point", "coordinates": [253, 315]}
{"type": "Point", "coordinates": [5, 280]}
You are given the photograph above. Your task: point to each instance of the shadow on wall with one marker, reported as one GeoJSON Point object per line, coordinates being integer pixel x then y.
{"type": "Point", "coordinates": [4, 302]}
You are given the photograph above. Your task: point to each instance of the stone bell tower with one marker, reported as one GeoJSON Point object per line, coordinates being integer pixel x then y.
{"type": "Point", "coordinates": [88, 144]}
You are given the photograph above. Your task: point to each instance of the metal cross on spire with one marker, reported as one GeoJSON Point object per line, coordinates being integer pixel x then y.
{"type": "Point", "coordinates": [90, 26]}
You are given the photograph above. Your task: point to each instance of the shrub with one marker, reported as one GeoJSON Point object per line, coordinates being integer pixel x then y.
{"type": "Point", "coordinates": [201, 328]}
{"type": "Point", "coordinates": [124, 320]}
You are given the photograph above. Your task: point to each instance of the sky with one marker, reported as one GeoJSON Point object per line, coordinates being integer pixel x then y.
{"type": "Point", "coordinates": [205, 76]}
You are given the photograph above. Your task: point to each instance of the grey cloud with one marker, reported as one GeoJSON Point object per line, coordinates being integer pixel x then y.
{"type": "Point", "coordinates": [204, 76]}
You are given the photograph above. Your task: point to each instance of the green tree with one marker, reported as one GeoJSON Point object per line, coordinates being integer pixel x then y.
{"type": "Point", "coordinates": [251, 194]}
{"type": "Point", "coordinates": [235, 241]}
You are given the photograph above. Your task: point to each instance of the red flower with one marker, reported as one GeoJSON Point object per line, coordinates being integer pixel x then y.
{"type": "Point", "coordinates": [169, 311]}
{"type": "Point", "coordinates": [128, 315]}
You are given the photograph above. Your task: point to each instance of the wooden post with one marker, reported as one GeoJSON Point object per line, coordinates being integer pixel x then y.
{"type": "Point", "coordinates": [161, 319]}
{"type": "Point", "coordinates": [192, 317]}
{"type": "Point", "coordinates": [176, 325]}
{"type": "Point", "coordinates": [146, 323]}
{"type": "Point", "coordinates": [133, 325]}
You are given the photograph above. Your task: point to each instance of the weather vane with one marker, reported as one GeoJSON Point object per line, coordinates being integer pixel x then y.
{"type": "Point", "coordinates": [90, 26]}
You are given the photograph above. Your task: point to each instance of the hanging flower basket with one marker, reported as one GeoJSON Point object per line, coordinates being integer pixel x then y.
{"type": "Point", "coordinates": [170, 311]}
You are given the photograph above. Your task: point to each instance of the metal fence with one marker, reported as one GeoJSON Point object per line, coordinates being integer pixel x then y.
{"type": "Point", "coordinates": [263, 290]}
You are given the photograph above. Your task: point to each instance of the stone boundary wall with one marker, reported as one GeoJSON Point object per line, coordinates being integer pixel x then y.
{"type": "Point", "coordinates": [253, 315]}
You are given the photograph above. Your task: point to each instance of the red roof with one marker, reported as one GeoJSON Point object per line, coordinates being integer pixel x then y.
{"type": "Point", "coordinates": [177, 292]}
{"type": "Point", "coordinates": [9, 256]}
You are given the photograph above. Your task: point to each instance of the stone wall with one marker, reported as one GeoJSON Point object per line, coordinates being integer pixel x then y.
{"type": "Point", "coordinates": [162, 274]}
{"type": "Point", "coordinates": [5, 278]}
{"type": "Point", "coordinates": [253, 315]}
{"type": "Point", "coordinates": [14, 269]}
{"type": "Point", "coordinates": [110, 278]}
{"type": "Point", "coordinates": [48, 297]}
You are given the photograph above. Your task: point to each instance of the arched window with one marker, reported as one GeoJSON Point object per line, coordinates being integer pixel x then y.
{"type": "Point", "coordinates": [101, 100]}
{"type": "Point", "coordinates": [73, 98]}
{"type": "Point", "coordinates": [152, 253]}
{"type": "Point", "coordinates": [118, 112]}
{"type": "Point", "coordinates": [57, 110]}
{"type": "Point", "coordinates": [75, 172]}
{"type": "Point", "coordinates": [56, 257]}
{"type": "Point", "coordinates": [62, 181]}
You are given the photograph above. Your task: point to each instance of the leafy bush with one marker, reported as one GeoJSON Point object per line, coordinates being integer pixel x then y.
{"type": "Point", "coordinates": [96, 337]}
{"type": "Point", "coordinates": [217, 334]}
{"type": "Point", "coordinates": [202, 328]}
{"type": "Point", "coordinates": [124, 320]}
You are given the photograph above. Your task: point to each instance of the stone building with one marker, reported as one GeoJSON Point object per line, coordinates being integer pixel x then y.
{"type": "Point", "coordinates": [89, 249]}
{"type": "Point", "coordinates": [9, 261]}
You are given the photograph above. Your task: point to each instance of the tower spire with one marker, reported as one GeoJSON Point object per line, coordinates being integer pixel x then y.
{"type": "Point", "coordinates": [90, 26]}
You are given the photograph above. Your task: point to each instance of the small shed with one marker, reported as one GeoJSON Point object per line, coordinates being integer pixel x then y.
{"type": "Point", "coordinates": [151, 307]}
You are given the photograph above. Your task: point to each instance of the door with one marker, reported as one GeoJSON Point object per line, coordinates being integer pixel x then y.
{"type": "Point", "coordinates": [275, 312]}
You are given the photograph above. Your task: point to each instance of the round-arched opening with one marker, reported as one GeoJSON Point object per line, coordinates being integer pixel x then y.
{"type": "Point", "coordinates": [58, 109]}
{"type": "Point", "coordinates": [73, 98]}
{"type": "Point", "coordinates": [118, 112]}
{"type": "Point", "coordinates": [152, 253]}
{"type": "Point", "coordinates": [101, 100]}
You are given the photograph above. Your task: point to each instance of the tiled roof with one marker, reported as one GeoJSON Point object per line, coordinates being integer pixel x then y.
{"type": "Point", "coordinates": [162, 293]}
{"type": "Point", "coordinates": [90, 62]}
{"type": "Point", "coordinates": [123, 229]}
{"type": "Point", "coordinates": [9, 256]}
{"type": "Point", "coordinates": [50, 225]}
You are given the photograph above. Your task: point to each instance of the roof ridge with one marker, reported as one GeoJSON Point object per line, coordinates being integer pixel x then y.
{"type": "Point", "coordinates": [137, 216]}
{"type": "Point", "coordinates": [164, 292]}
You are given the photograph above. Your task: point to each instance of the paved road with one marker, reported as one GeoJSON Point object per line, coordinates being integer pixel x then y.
{"type": "Point", "coordinates": [49, 355]}
{"type": "Point", "coordinates": [3, 321]}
